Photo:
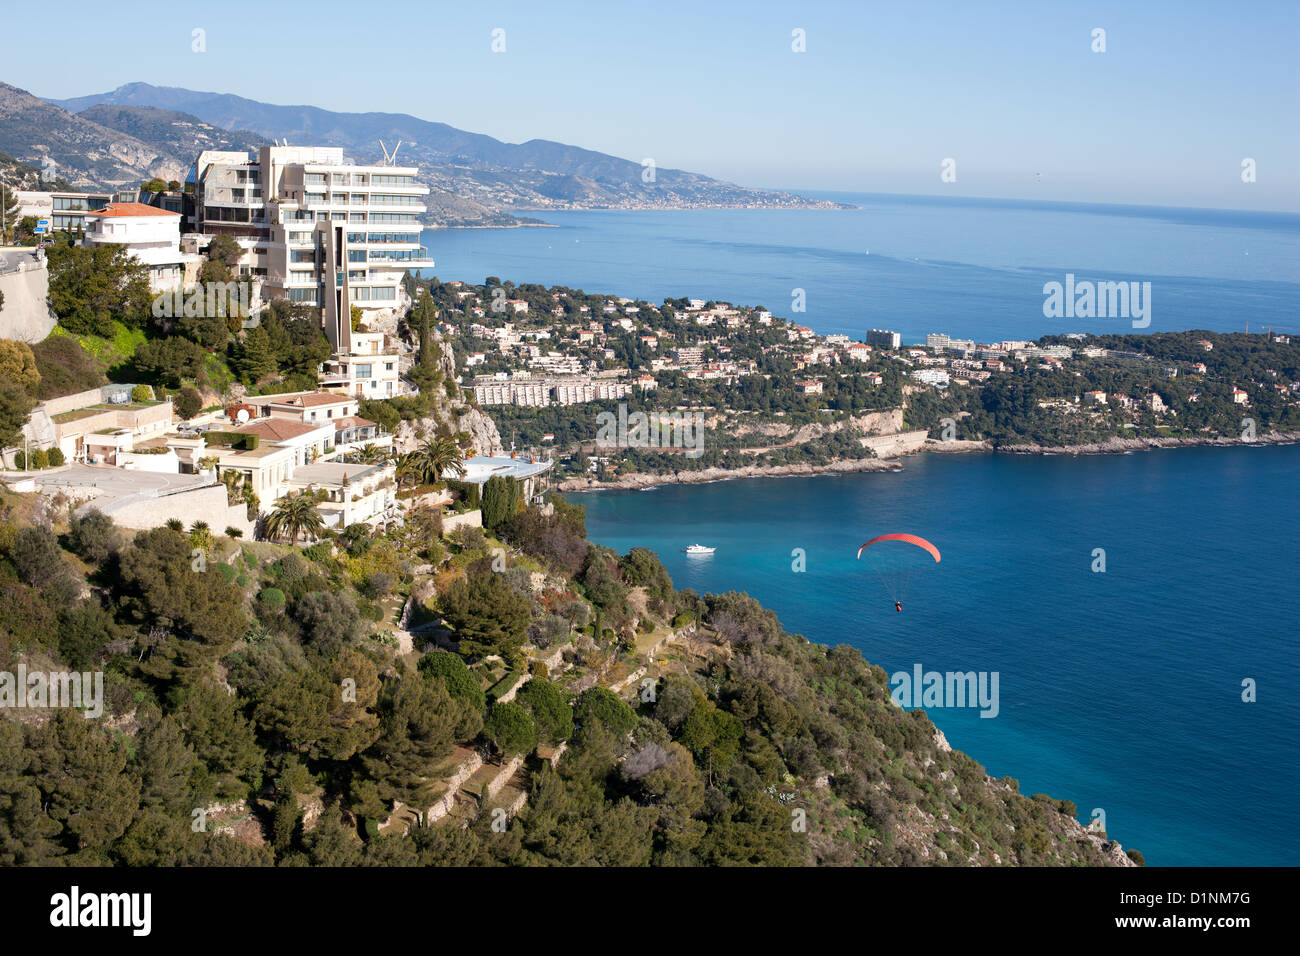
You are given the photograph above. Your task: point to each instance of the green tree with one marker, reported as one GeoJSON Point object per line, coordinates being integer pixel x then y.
{"type": "Point", "coordinates": [189, 402]}
{"type": "Point", "coordinates": [169, 361]}
{"type": "Point", "coordinates": [9, 210]}
{"type": "Point", "coordinates": [255, 358]}
{"type": "Point", "coordinates": [500, 501]}
{"type": "Point", "coordinates": [510, 728]}
{"type": "Point", "coordinates": [486, 614]}
{"type": "Point", "coordinates": [191, 613]}
{"type": "Point", "coordinates": [329, 620]}
{"type": "Point", "coordinates": [295, 516]}
{"type": "Point", "coordinates": [15, 408]}
{"type": "Point", "coordinates": [430, 461]}
{"type": "Point", "coordinates": [598, 707]}
{"type": "Point", "coordinates": [418, 723]}
{"type": "Point", "coordinates": [81, 772]}
{"type": "Point", "coordinates": [91, 536]}
{"type": "Point", "coordinates": [550, 709]}
{"type": "Point", "coordinates": [456, 675]}
{"type": "Point", "coordinates": [92, 286]}
{"type": "Point", "coordinates": [18, 364]}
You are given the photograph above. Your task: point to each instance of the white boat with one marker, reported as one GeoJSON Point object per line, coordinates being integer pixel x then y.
{"type": "Point", "coordinates": [700, 549]}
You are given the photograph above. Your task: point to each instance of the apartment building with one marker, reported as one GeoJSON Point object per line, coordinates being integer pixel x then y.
{"type": "Point", "coordinates": [372, 369]}
{"type": "Point", "coordinates": [316, 229]}
{"type": "Point", "coordinates": [883, 338]}
{"type": "Point", "coordinates": [66, 211]}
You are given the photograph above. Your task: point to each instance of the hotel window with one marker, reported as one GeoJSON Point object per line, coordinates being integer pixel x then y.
{"type": "Point", "coordinates": [356, 217]}
{"type": "Point", "coordinates": [302, 255]}
{"type": "Point", "coordinates": [314, 179]}
{"type": "Point", "coordinates": [363, 371]}
{"type": "Point", "coordinates": [356, 255]}
{"type": "Point", "coordinates": [315, 197]}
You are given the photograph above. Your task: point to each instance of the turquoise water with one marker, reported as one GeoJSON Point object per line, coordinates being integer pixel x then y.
{"type": "Point", "coordinates": [1118, 690]}
{"type": "Point", "coordinates": [972, 268]}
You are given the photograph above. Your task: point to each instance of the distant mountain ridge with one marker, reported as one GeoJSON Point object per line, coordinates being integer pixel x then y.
{"type": "Point", "coordinates": [474, 178]}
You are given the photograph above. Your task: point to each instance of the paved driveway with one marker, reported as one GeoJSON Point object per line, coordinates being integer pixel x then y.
{"type": "Point", "coordinates": [117, 486]}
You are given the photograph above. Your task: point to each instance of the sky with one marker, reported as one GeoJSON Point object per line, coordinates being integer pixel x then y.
{"type": "Point", "coordinates": [880, 96]}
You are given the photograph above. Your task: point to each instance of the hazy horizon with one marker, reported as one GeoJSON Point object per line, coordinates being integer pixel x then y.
{"type": "Point", "coordinates": [777, 95]}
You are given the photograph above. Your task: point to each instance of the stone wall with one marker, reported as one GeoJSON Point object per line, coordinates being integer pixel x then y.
{"type": "Point", "coordinates": [470, 519]}
{"type": "Point", "coordinates": [26, 314]}
{"type": "Point", "coordinates": [890, 446]}
{"type": "Point", "coordinates": [200, 504]}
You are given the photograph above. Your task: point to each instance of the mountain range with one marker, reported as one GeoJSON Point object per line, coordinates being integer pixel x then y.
{"type": "Point", "coordinates": [138, 131]}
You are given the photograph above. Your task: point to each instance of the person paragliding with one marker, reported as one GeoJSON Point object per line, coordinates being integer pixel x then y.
{"type": "Point", "coordinates": [895, 557]}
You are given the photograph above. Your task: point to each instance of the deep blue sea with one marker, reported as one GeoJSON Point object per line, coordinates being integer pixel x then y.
{"type": "Point", "coordinates": [1119, 690]}
{"type": "Point", "coordinates": [914, 264]}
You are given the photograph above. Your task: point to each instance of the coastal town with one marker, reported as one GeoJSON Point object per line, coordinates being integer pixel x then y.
{"type": "Point", "coordinates": [246, 373]}
{"type": "Point", "coordinates": [339, 243]}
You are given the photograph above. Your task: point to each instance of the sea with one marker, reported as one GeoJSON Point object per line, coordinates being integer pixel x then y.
{"type": "Point", "coordinates": [972, 268]}
{"type": "Point", "coordinates": [1129, 604]}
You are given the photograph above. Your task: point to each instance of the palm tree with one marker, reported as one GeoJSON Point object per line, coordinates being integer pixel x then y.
{"type": "Point", "coordinates": [371, 454]}
{"type": "Point", "coordinates": [294, 515]}
{"type": "Point", "coordinates": [431, 460]}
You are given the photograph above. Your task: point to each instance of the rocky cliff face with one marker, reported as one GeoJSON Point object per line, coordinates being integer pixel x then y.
{"type": "Point", "coordinates": [456, 415]}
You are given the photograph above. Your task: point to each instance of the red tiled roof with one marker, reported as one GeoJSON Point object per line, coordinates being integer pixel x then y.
{"type": "Point", "coordinates": [278, 429]}
{"type": "Point", "coordinates": [351, 421]}
{"type": "Point", "coordinates": [134, 209]}
{"type": "Point", "coordinates": [313, 399]}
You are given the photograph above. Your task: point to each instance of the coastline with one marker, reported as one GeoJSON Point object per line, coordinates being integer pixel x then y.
{"type": "Point", "coordinates": [1114, 446]}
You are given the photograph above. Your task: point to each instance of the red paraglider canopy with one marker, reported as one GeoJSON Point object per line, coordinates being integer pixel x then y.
{"type": "Point", "coordinates": [909, 538]}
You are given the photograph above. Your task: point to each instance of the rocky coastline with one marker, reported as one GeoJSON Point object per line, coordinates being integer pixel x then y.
{"type": "Point", "coordinates": [1113, 446]}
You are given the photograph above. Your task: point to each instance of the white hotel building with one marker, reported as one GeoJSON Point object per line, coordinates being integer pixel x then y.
{"type": "Point", "coordinates": [316, 230]}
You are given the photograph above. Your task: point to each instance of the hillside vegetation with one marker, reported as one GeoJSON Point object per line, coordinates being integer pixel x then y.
{"type": "Point", "coordinates": [307, 705]}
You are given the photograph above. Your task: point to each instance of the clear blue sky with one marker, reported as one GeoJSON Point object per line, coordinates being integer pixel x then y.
{"type": "Point", "coordinates": [884, 92]}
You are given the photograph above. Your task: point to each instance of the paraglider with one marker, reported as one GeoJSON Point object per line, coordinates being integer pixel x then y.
{"type": "Point", "coordinates": [895, 557]}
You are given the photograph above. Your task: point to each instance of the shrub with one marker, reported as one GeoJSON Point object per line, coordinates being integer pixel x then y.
{"type": "Point", "coordinates": [233, 532]}
{"type": "Point", "coordinates": [40, 459]}
{"type": "Point", "coordinates": [142, 393]}
{"type": "Point", "coordinates": [504, 685]}
{"type": "Point", "coordinates": [320, 551]}
{"type": "Point", "coordinates": [458, 678]}
{"type": "Point", "coordinates": [227, 573]}
{"type": "Point", "coordinates": [328, 619]}
{"type": "Point", "coordinates": [56, 457]}
{"type": "Point", "coordinates": [20, 460]}
{"type": "Point", "coordinates": [189, 402]}
{"type": "Point", "coordinates": [90, 536]}
{"type": "Point", "coordinates": [272, 597]}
